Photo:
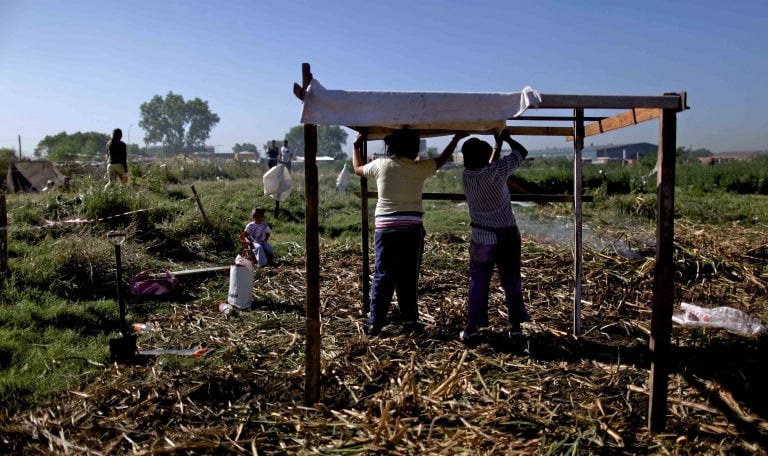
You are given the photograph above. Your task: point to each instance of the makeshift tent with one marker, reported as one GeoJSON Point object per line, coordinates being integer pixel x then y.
{"type": "Point", "coordinates": [32, 176]}
{"type": "Point", "coordinates": [373, 114]}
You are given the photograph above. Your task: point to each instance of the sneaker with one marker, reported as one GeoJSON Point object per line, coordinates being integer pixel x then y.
{"type": "Point", "coordinates": [411, 326]}
{"type": "Point", "coordinates": [469, 334]}
{"type": "Point", "coordinates": [373, 330]}
{"type": "Point", "coordinates": [516, 334]}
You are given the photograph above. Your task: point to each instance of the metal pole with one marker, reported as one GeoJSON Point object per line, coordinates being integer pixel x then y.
{"type": "Point", "coordinates": [20, 156]}
{"type": "Point", "coordinates": [117, 238]}
{"type": "Point", "coordinates": [578, 145]}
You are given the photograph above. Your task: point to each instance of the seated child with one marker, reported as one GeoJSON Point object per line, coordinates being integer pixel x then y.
{"type": "Point", "coordinates": [258, 232]}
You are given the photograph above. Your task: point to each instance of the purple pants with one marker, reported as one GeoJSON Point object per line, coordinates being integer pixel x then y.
{"type": "Point", "coordinates": [482, 259]}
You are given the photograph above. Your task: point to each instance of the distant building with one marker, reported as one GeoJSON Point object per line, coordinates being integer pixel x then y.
{"type": "Point", "coordinates": [624, 152]}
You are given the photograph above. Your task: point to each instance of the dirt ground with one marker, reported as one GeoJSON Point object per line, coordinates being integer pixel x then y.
{"type": "Point", "coordinates": [427, 392]}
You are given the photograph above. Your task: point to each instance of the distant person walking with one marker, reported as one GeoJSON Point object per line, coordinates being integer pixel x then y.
{"type": "Point", "coordinates": [117, 151]}
{"type": "Point", "coordinates": [286, 156]}
{"type": "Point", "coordinates": [495, 238]}
{"type": "Point", "coordinates": [273, 153]}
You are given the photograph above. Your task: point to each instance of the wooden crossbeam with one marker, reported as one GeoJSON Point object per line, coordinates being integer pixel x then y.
{"type": "Point", "coordinates": [558, 101]}
{"type": "Point", "coordinates": [533, 197]}
{"type": "Point", "coordinates": [626, 118]}
{"type": "Point", "coordinates": [539, 131]}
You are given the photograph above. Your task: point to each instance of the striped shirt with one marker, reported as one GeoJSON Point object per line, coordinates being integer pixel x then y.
{"type": "Point", "coordinates": [488, 197]}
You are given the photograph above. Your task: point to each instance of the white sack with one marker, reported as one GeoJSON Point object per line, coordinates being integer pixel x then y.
{"type": "Point", "coordinates": [342, 181]}
{"type": "Point", "coordinates": [277, 183]}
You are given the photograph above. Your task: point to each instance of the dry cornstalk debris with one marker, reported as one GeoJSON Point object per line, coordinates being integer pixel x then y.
{"type": "Point", "coordinates": [427, 392]}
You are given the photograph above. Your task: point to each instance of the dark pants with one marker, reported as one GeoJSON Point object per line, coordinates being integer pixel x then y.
{"type": "Point", "coordinates": [482, 259]}
{"type": "Point", "coordinates": [272, 163]}
{"type": "Point", "coordinates": [398, 260]}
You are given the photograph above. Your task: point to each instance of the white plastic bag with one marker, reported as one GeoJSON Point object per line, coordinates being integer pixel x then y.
{"type": "Point", "coordinates": [727, 318]}
{"type": "Point", "coordinates": [277, 183]}
{"type": "Point", "coordinates": [342, 181]}
{"type": "Point", "coordinates": [240, 293]}
{"type": "Point", "coordinates": [243, 261]}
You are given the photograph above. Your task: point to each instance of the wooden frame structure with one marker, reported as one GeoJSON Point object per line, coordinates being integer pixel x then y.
{"type": "Point", "coordinates": [636, 109]}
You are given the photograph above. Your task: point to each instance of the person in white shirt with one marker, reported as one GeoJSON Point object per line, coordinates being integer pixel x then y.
{"type": "Point", "coordinates": [286, 156]}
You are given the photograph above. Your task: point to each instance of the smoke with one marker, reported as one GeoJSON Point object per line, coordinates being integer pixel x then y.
{"type": "Point", "coordinates": [559, 231]}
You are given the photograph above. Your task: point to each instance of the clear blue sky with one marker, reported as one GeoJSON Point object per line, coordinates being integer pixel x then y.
{"type": "Point", "coordinates": [87, 65]}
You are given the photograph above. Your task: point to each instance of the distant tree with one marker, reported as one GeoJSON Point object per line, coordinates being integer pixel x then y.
{"type": "Point", "coordinates": [6, 153]}
{"type": "Point", "coordinates": [295, 137]}
{"type": "Point", "coordinates": [134, 149]}
{"type": "Point", "coordinates": [176, 123]}
{"type": "Point", "coordinates": [245, 147]}
{"type": "Point", "coordinates": [77, 146]}
{"type": "Point", "coordinates": [330, 140]}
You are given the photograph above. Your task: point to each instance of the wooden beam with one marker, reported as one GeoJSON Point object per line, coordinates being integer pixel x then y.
{"type": "Point", "coordinates": [540, 131]}
{"type": "Point", "coordinates": [533, 197]}
{"type": "Point", "coordinates": [298, 91]}
{"type": "Point", "coordinates": [556, 118]}
{"type": "Point", "coordinates": [559, 101]}
{"type": "Point", "coordinates": [627, 118]}
{"type": "Point", "coordinates": [664, 273]}
{"type": "Point", "coordinates": [312, 258]}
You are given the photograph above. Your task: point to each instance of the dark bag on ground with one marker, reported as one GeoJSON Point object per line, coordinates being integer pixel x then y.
{"type": "Point", "coordinates": [146, 283]}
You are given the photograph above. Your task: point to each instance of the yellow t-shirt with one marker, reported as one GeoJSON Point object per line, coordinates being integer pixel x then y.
{"type": "Point", "coordinates": [399, 182]}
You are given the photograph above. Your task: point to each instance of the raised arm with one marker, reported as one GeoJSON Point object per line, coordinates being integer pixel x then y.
{"type": "Point", "coordinates": [357, 150]}
{"type": "Point", "coordinates": [449, 149]}
{"type": "Point", "coordinates": [497, 148]}
{"type": "Point", "coordinates": [517, 146]}
{"type": "Point", "coordinates": [505, 137]}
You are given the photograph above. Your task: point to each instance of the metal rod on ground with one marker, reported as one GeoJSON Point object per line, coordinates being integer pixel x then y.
{"type": "Point", "coordinates": [578, 145]}
{"type": "Point", "coordinates": [664, 272]}
{"type": "Point", "coordinates": [364, 232]}
{"type": "Point", "coordinates": [3, 237]}
{"type": "Point", "coordinates": [312, 369]}
{"type": "Point", "coordinates": [117, 238]}
{"type": "Point", "coordinates": [200, 206]}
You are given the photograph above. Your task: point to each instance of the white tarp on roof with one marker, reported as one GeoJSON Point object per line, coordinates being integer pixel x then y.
{"type": "Point", "coordinates": [433, 113]}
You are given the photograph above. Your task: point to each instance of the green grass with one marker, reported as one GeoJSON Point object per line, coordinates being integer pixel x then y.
{"type": "Point", "coordinates": [58, 307]}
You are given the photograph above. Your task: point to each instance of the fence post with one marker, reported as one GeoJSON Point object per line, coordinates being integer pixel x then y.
{"type": "Point", "coordinates": [3, 237]}
{"type": "Point", "coordinates": [200, 205]}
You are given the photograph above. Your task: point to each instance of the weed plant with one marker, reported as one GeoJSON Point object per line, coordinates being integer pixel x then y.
{"type": "Point", "coordinates": [58, 304]}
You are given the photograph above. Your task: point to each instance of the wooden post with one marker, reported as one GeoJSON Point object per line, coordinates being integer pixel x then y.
{"type": "Point", "coordinates": [312, 369]}
{"type": "Point", "coordinates": [365, 279]}
{"type": "Point", "coordinates": [3, 238]}
{"type": "Point", "coordinates": [578, 145]}
{"type": "Point", "coordinates": [663, 280]}
{"type": "Point", "coordinates": [200, 206]}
